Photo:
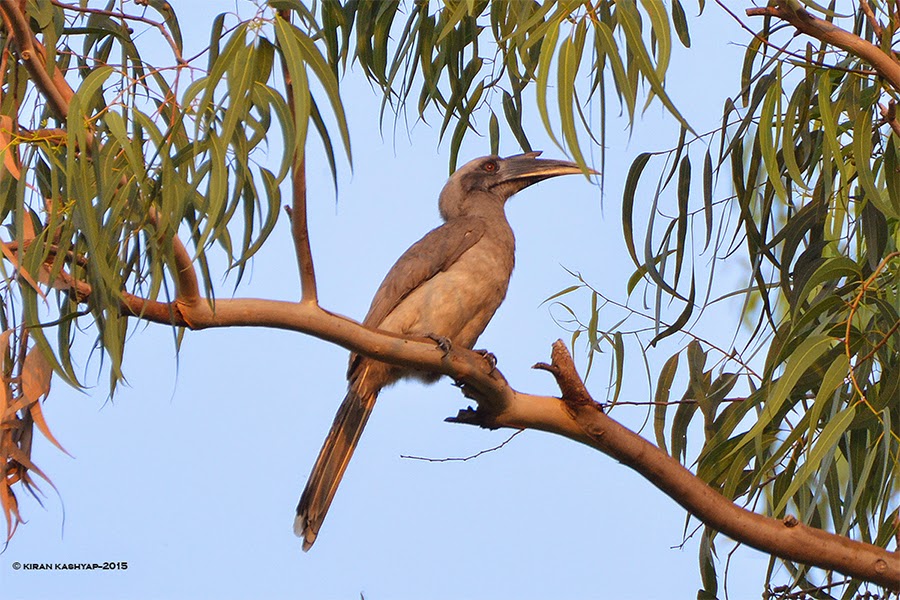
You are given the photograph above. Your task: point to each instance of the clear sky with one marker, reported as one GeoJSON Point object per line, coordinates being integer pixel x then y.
{"type": "Point", "coordinates": [192, 473]}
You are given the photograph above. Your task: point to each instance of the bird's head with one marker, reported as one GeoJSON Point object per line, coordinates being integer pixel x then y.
{"type": "Point", "coordinates": [488, 182]}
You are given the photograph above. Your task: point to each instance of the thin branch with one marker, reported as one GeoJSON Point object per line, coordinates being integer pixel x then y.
{"type": "Point", "coordinates": [465, 458]}
{"type": "Point", "coordinates": [120, 15]}
{"type": "Point", "coordinates": [297, 212]}
{"type": "Point", "coordinates": [300, 230]}
{"type": "Point", "coordinates": [671, 402]}
{"type": "Point", "coordinates": [870, 15]}
{"type": "Point", "coordinates": [17, 25]}
{"type": "Point", "coordinates": [829, 33]}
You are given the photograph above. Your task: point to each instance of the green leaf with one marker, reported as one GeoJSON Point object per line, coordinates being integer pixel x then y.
{"type": "Point", "coordinates": [822, 449]}
{"type": "Point", "coordinates": [682, 319]}
{"type": "Point", "coordinates": [796, 365]}
{"type": "Point", "coordinates": [631, 181]}
{"type": "Point", "coordinates": [548, 48]}
{"type": "Point", "coordinates": [680, 21]}
{"type": "Point", "coordinates": [862, 150]}
{"type": "Point", "coordinates": [494, 133]}
{"type": "Point", "coordinates": [570, 53]}
{"type": "Point", "coordinates": [292, 55]}
{"type": "Point", "coordinates": [324, 74]}
{"type": "Point", "coordinates": [708, 197]}
{"type": "Point", "coordinates": [606, 44]}
{"type": "Point", "coordinates": [630, 21]}
{"type": "Point", "coordinates": [659, 21]}
{"type": "Point", "coordinates": [770, 128]}
{"type": "Point", "coordinates": [661, 398]}
{"type": "Point", "coordinates": [619, 353]}
{"type": "Point", "coordinates": [830, 271]}
{"type": "Point", "coordinates": [684, 191]}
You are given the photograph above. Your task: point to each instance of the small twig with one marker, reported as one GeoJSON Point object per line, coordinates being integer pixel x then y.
{"type": "Point", "coordinates": [802, 594]}
{"type": "Point", "coordinates": [120, 15]}
{"type": "Point", "coordinates": [880, 343]}
{"type": "Point", "coordinates": [672, 402]}
{"type": "Point", "coordinates": [685, 539]}
{"type": "Point", "coordinates": [463, 458]}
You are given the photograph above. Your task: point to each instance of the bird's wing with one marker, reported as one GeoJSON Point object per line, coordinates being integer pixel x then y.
{"type": "Point", "coordinates": [436, 252]}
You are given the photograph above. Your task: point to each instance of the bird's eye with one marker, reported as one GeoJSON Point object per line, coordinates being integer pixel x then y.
{"type": "Point", "coordinates": [490, 167]}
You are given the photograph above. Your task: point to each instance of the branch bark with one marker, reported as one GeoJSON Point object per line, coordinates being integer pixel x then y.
{"type": "Point", "coordinates": [822, 30]}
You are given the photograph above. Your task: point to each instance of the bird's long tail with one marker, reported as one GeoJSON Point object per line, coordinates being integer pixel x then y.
{"type": "Point", "coordinates": [332, 462]}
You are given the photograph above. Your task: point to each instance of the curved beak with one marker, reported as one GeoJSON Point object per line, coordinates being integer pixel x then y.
{"type": "Point", "coordinates": [527, 169]}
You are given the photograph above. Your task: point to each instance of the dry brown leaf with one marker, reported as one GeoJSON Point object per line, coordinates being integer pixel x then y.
{"type": "Point", "coordinates": [10, 505]}
{"type": "Point", "coordinates": [36, 376]}
{"type": "Point", "coordinates": [38, 417]}
{"type": "Point", "coordinates": [23, 459]}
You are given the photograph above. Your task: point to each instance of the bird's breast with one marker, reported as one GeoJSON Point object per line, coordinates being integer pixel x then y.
{"type": "Point", "coordinates": [458, 302]}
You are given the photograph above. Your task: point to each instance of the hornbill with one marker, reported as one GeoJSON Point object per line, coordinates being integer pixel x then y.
{"type": "Point", "coordinates": [446, 286]}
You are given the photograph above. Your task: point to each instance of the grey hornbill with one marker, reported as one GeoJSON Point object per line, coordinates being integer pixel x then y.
{"type": "Point", "coordinates": [447, 285]}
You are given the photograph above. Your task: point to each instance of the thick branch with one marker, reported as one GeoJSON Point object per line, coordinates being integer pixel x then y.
{"type": "Point", "coordinates": [787, 538]}
{"type": "Point", "coordinates": [827, 32]}
{"type": "Point", "coordinates": [575, 416]}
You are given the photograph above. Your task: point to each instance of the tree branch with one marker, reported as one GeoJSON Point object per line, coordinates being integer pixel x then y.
{"type": "Point", "coordinates": [33, 55]}
{"type": "Point", "coordinates": [584, 421]}
{"type": "Point", "coordinates": [300, 228]}
{"type": "Point", "coordinates": [575, 416]}
{"type": "Point", "coordinates": [297, 212]}
{"type": "Point", "coordinates": [827, 32]}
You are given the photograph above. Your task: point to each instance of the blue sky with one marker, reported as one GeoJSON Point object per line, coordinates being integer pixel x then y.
{"type": "Point", "coordinates": [192, 473]}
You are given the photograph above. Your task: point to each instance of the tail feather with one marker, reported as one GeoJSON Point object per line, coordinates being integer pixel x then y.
{"type": "Point", "coordinates": [334, 457]}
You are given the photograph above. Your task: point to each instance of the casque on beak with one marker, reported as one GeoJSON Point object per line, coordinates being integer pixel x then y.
{"type": "Point", "coordinates": [528, 169]}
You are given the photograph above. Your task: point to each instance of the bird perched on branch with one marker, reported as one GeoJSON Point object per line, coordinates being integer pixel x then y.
{"type": "Point", "coordinates": [447, 285]}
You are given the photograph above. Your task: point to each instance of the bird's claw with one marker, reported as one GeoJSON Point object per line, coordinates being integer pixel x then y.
{"type": "Point", "coordinates": [442, 342]}
{"type": "Point", "coordinates": [489, 358]}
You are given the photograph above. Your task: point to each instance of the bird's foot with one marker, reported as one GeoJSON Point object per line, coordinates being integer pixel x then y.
{"type": "Point", "coordinates": [489, 358]}
{"type": "Point", "coordinates": [442, 342]}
